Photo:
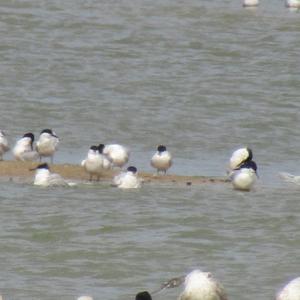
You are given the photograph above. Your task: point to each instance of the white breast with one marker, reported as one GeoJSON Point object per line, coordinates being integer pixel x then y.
{"type": "Point", "coordinates": [161, 161]}
{"type": "Point", "coordinates": [47, 144]}
{"type": "Point", "coordinates": [93, 163]}
{"type": "Point", "coordinates": [243, 179]}
{"type": "Point", "coordinates": [127, 180]}
{"type": "Point", "coordinates": [44, 177]}
{"type": "Point", "coordinates": [23, 151]}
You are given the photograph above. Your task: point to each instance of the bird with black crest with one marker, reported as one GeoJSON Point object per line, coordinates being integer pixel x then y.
{"type": "Point", "coordinates": [23, 149]}
{"type": "Point", "coordinates": [47, 144]}
{"type": "Point", "coordinates": [161, 160]}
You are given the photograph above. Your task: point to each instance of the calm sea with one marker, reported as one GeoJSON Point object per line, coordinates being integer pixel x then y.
{"type": "Point", "coordinates": [201, 77]}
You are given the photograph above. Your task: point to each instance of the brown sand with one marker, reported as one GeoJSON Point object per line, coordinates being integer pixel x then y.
{"type": "Point", "coordinates": [18, 169]}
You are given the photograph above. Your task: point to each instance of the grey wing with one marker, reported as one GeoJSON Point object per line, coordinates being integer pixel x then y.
{"type": "Point", "coordinates": [118, 179]}
{"type": "Point", "coordinates": [56, 179]}
{"type": "Point", "coordinates": [30, 156]}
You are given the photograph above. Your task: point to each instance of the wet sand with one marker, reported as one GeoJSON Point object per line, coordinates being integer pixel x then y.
{"type": "Point", "coordinates": [21, 170]}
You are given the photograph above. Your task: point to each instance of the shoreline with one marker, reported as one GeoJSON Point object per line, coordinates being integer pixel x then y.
{"type": "Point", "coordinates": [18, 169]}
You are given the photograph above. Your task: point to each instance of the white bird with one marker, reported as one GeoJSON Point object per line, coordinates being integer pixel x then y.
{"type": "Point", "coordinates": [202, 286]}
{"type": "Point", "coordinates": [250, 3]}
{"type": "Point", "coordinates": [43, 177]}
{"type": "Point", "coordinates": [117, 154]}
{"type": "Point", "coordinates": [23, 150]}
{"type": "Point", "coordinates": [93, 164]}
{"type": "Point", "coordinates": [289, 177]}
{"type": "Point", "coordinates": [142, 296]}
{"type": "Point", "coordinates": [291, 291]}
{"type": "Point", "coordinates": [128, 179]}
{"type": "Point", "coordinates": [83, 298]}
{"type": "Point", "coordinates": [162, 159]}
{"type": "Point", "coordinates": [292, 3]}
{"type": "Point", "coordinates": [4, 147]}
{"type": "Point", "coordinates": [244, 177]}
{"type": "Point", "coordinates": [239, 157]}
{"type": "Point", "coordinates": [107, 164]}
{"type": "Point", "coordinates": [47, 144]}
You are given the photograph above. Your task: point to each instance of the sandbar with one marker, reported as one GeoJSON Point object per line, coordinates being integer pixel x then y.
{"type": "Point", "coordinates": [11, 169]}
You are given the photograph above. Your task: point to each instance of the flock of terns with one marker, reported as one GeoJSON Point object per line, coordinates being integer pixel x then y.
{"type": "Point", "coordinates": [242, 170]}
{"type": "Point", "coordinates": [288, 3]}
{"type": "Point", "coordinates": [99, 159]}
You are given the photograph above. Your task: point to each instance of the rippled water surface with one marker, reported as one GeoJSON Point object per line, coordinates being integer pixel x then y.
{"type": "Point", "coordinates": [202, 77]}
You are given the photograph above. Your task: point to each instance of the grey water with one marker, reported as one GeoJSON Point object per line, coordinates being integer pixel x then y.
{"type": "Point", "coordinates": [201, 77]}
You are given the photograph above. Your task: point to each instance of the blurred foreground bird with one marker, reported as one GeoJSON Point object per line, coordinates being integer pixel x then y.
{"type": "Point", "coordinates": [291, 291]}
{"type": "Point", "coordinates": [200, 285]}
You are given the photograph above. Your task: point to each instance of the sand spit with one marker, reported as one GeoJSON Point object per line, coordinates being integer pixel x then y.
{"type": "Point", "coordinates": [21, 170]}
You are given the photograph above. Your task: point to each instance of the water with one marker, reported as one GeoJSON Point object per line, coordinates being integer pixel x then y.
{"type": "Point", "coordinates": [202, 77]}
